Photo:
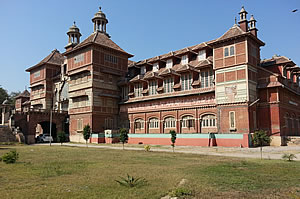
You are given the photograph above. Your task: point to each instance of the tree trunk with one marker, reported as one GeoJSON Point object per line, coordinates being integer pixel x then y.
{"type": "Point", "coordinates": [123, 145]}
{"type": "Point", "coordinates": [261, 152]}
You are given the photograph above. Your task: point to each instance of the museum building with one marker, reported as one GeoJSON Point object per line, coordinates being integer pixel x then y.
{"type": "Point", "coordinates": [215, 93]}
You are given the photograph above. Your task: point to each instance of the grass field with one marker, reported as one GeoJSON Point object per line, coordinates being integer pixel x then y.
{"type": "Point", "coordinates": [70, 172]}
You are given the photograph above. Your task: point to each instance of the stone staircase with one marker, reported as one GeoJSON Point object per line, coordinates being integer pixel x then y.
{"type": "Point", "coordinates": [6, 134]}
{"type": "Point", "coordinates": [293, 141]}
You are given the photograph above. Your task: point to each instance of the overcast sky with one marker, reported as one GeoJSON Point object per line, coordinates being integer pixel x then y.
{"type": "Point", "coordinates": [31, 29]}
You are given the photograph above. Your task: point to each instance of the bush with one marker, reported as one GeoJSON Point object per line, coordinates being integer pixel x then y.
{"type": "Point", "coordinates": [86, 133]}
{"type": "Point", "coordinates": [61, 137]}
{"type": "Point", "coordinates": [123, 136]}
{"type": "Point", "coordinates": [261, 138]}
{"type": "Point", "coordinates": [130, 181]}
{"type": "Point", "coordinates": [147, 148]}
{"type": "Point", "coordinates": [289, 157]}
{"type": "Point", "coordinates": [181, 192]}
{"type": "Point", "coordinates": [10, 157]}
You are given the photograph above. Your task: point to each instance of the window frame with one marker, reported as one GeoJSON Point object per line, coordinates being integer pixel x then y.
{"type": "Point", "coordinates": [227, 51]}
{"type": "Point", "coordinates": [232, 121]}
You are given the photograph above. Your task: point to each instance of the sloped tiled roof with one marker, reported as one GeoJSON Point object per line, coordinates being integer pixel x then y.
{"type": "Point", "coordinates": [131, 63]}
{"type": "Point", "coordinates": [234, 31]}
{"type": "Point", "coordinates": [101, 39]}
{"type": "Point", "coordinates": [54, 58]}
{"type": "Point", "coordinates": [205, 62]}
{"type": "Point", "coordinates": [25, 93]}
{"type": "Point", "coordinates": [276, 60]}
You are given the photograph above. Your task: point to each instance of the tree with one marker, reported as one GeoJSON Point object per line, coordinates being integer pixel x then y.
{"type": "Point", "coordinates": [12, 97]}
{"type": "Point", "coordinates": [86, 133]}
{"type": "Point", "coordinates": [3, 94]}
{"type": "Point", "coordinates": [173, 138]}
{"type": "Point", "coordinates": [123, 136]}
{"type": "Point", "coordinates": [61, 137]}
{"type": "Point", "coordinates": [261, 138]}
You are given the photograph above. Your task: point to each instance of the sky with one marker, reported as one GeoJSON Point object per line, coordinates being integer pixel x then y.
{"type": "Point", "coordinates": [31, 29]}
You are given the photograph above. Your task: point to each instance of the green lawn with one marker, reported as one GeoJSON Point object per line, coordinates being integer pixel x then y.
{"type": "Point", "coordinates": [70, 172]}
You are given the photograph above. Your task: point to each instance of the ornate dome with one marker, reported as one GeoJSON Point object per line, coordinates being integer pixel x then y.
{"type": "Point", "coordinates": [99, 15]}
{"type": "Point", "coordinates": [73, 29]}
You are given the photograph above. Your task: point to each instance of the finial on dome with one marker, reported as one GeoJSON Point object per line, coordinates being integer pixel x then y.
{"type": "Point", "coordinates": [100, 8]}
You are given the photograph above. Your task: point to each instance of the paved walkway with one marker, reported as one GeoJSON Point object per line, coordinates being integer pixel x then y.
{"type": "Point", "coordinates": [269, 152]}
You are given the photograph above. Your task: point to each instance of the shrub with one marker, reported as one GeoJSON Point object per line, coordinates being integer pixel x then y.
{"type": "Point", "coordinates": [130, 181]}
{"type": "Point", "coordinates": [10, 157]}
{"type": "Point", "coordinates": [261, 138]}
{"type": "Point", "coordinates": [289, 157]}
{"type": "Point", "coordinates": [123, 136]}
{"type": "Point", "coordinates": [173, 138]}
{"type": "Point", "coordinates": [181, 192]}
{"type": "Point", "coordinates": [147, 148]}
{"type": "Point", "coordinates": [61, 137]}
{"type": "Point", "coordinates": [86, 133]}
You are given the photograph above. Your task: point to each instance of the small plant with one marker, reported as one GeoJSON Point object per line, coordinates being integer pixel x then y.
{"type": "Point", "coordinates": [173, 138]}
{"type": "Point", "coordinates": [289, 157]}
{"type": "Point", "coordinates": [147, 148]}
{"type": "Point", "coordinates": [181, 192]}
{"type": "Point", "coordinates": [10, 157]}
{"type": "Point", "coordinates": [123, 136]}
{"type": "Point", "coordinates": [261, 138]}
{"type": "Point", "coordinates": [86, 133]}
{"type": "Point", "coordinates": [61, 137]}
{"type": "Point", "coordinates": [130, 181]}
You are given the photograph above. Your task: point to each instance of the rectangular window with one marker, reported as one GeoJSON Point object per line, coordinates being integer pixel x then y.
{"type": "Point", "coordinates": [143, 70]}
{"type": "Point", "coordinates": [202, 55]}
{"type": "Point", "coordinates": [79, 125]}
{"type": "Point", "coordinates": [184, 59]}
{"type": "Point", "coordinates": [186, 82]}
{"type": "Point", "coordinates": [138, 88]}
{"type": "Point", "coordinates": [155, 67]}
{"type": "Point", "coordinates": [229, 51]}
{"type": "Point", "coordinates": [153, 123]}
{"type": "Point", "coordinates": [226, 52]}
{"type": "Point", "coordinates": [37, 74]}
{"type": "Point", "coordinates": [110, 58]}
{"type": "Point", "coordinates": [232, 120]}
{"type": "Point", "coordinates": [78, 58]}
{"type": "Point", "coordinates": [207, 78]}
{"type": "Point", "coordinates": [153, 87]}
{"type": "Point", "coordinates": [168, 85]}
{"type": "Point", "coordinates": [125, 92]}
{"type": "Point", "coordinates": [169, 63]}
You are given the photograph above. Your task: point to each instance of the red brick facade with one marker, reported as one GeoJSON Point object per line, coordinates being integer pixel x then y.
{"type": "Point", "coordinates": [220, 86]}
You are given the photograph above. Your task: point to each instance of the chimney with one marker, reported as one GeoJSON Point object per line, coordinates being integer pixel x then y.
{"type": "Point", "coordinates": [243, 19]}
{"type": "Point", "coordinates": [252, 26]}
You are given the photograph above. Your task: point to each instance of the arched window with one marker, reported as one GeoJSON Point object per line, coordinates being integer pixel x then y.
{"type": "Point", "coordinates": [139, 124]}
{"type": "Point", "coordinates": [153, 123]}
{"type": "Point", "coordinates": [188, 122]}
{"type": "Point", "coordinates": [170, 122]}
{"type": "Point", "coordinates": [208, 120]}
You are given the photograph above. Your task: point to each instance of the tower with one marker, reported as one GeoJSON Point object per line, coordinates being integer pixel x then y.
{"type": "Point", "coordinates": [243, 19]}
{"type": "Point", "coordinates": [100, 22]}
{"type": "Point", "coordinates": [252, 26]}
{"type": "Point", "coordinates": [74, 37]}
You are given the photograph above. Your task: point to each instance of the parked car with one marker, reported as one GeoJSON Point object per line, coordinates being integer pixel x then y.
{"type": "Point", "coordinates": [44, 138]}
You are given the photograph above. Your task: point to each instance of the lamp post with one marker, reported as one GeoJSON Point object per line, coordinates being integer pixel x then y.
{"type": "Point", "coordinates": [51, 115]}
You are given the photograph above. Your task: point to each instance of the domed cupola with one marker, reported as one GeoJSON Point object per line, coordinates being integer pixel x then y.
{"type": "Point", "coordinates": [74, 36]}
{"type": "Point", "coordinates": [100, 21]}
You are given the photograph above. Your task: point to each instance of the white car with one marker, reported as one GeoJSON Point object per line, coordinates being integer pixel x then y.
{"type": "Point", "coordinates": [44, 138]}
